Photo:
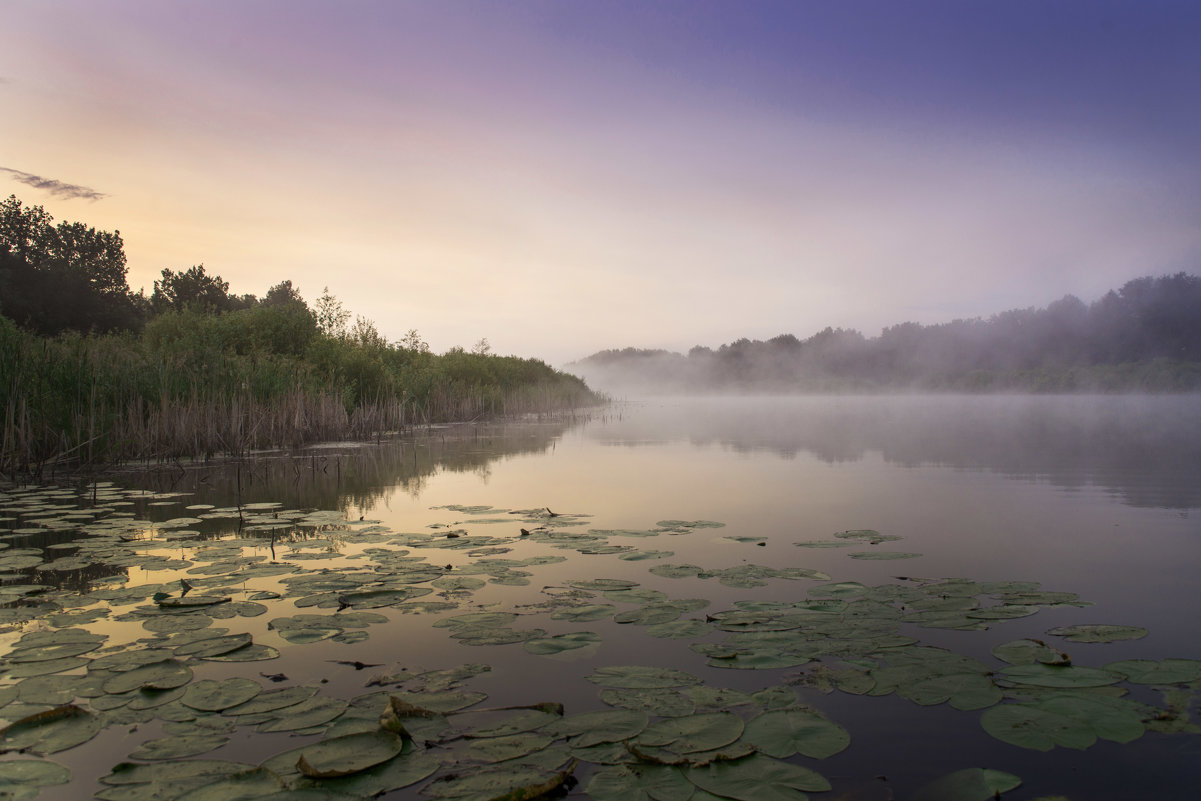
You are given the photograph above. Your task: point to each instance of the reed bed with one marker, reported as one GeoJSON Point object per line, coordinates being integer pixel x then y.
{"type": "Point", "coordinates": [86, 400]}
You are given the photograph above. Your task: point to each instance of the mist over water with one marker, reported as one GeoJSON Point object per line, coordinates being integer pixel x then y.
{"type": "Point", "coordinates": [1144, 449]}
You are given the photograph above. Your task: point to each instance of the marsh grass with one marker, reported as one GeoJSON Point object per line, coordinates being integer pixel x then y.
{"type": "Point", "coordinates": [87, 400]}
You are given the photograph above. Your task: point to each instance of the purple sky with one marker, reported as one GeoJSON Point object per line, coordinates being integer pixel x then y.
{"type": "Point", "coordinates": [562, 177]}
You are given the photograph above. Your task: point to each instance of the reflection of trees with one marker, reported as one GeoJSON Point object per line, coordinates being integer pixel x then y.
{"type": "Point", "coordinates": [354, 475]}
{"type": "Point", "coordinates": [1145, 449]}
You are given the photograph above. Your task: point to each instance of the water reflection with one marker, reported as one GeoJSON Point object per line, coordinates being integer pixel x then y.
{"type": "Point", "coordinates": [1146, 450]}
{"type": "Point", "coordinates": [347, 476]}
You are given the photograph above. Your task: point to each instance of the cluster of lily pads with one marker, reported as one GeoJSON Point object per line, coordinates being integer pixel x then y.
{"type": "Point", "coordinates": [284, 578]}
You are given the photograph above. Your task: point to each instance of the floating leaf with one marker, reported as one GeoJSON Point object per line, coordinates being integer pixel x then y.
{"type": "Point", "coordinates": [641, 677]}
{"type": "Point", "coordinates": [970, 784]}
{"type": "Point", "coordinates": [549, 646]}
{"type": "Point", "coordinates": [664, 703]}
{"type": "Point", "coordinates": [606, 726]}
{"type": "Point", "coordinates": [584, 613]}
{"type": "Point", "coordinates": [1099, 632]}
{"type": "Point", "coordinates": [442, 702]}
{"type": "Point", "coordinates": [1028, 726]}
{"type": "Point", "coordinates": [1028, 652]}
{"type": "Point", "coordinates": [24, 778]}
{"type": "Point", "coordinates": [1168, 671]}
{"type": "Point", "coordinates": [179, 746]}
{"type": "Point", "coordinates": [758, 778]}
{"type": "Point", "coordinates": [513, 746]}
{"type": "Point", "coordinates": [640, 783]}
{"type": "Point", "coordinates": [50, 731]}
{"type": "Point", "coordinates": [784, 732]}
{"type": "Point", "coordinates": [883, 555]}
{"type": "Point", "coordinates": [342, 756]}
{"type": "Point", "coordinates": [498, 784]}
{"type": "Point", "coordinates": [963, 690]}
{"type": "Point", "coordinates": [701, 732]}
{"type": "Point", "coordinates": [1040, 675]}
{"type": "Point", "coordinates": [208, 695]}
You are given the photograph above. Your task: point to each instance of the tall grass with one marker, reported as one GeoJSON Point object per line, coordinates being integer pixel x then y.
{"type": "Point", "coordinates": [185, 389]}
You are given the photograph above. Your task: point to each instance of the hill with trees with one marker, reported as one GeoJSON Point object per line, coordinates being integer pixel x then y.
{"type": "Point", "coordinates": [91, 371]}
{"type": "Point", "coordinates": [1145, 336]}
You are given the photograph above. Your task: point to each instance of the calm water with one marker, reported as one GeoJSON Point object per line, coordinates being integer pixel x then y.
{"type": "Point", "coordinates": [1095, 496]}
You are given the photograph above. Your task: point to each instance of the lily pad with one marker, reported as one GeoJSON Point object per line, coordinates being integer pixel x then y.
{"type": "Point", "coordinates": [342, 756]}
{"type": "Point", "coordinates": [784, 732]}
{"type": "Point", "coordinates": [179, 746]}
{"type": "Point", "coordinates": [208, 695]}
{"type": "Point", "coordinates": [641, 677]}
{"type": "Point", "coordinates": [758, 778]}
{"type": "Point", "coordinates": [23, 778]}
{"type": "Point", "coordinates": [606, 726]}
{"type": "Point", "coordinates": [1040, 675]}
{"type": "Point", "coordinates": [970, 784]}
{"type": "Point", "coordinates": [1099, 632]}
{"type": "Point", "coordinates": [1167, 671]}
{"type": "Point", "coordinates": [702, 732]}
{"type": "Point", "coordinates": [640, 783]}
{"type": "Point", "coordinates": [51, 731]}
{"type": "Point", "coordinates": [549, 646]}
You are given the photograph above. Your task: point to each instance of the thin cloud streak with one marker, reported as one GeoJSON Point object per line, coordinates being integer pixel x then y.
{"type": "Point", "coordinates": [55, 187]}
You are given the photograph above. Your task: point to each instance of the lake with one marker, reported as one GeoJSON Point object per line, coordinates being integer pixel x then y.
{"type": "Point", "coordinates": [765, 596]}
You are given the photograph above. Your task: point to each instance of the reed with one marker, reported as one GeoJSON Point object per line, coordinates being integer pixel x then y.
{"type": "Point", "coordinates": [85, 400]}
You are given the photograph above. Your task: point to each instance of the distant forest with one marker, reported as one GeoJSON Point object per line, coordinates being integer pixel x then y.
{"type": "Point", "coordinates": [91, 371]}
{"type": "Point", "coordinates": [1145, 336]}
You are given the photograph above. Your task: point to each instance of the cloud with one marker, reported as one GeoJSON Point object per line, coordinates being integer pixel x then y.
{"type": "Point", "coordinates": [55, 187]}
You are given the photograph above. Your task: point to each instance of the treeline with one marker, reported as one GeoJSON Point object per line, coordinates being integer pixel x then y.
{"type": "Point", "coordinates": [91, 371]}
{"type": "Point", "coordinates": [1145, 336]}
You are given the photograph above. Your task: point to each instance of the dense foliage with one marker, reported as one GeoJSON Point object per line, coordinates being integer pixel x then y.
{"type": "Point", "coordinates": [91, 371]}
{"type": "Point", "coordinates": [1144, 336]}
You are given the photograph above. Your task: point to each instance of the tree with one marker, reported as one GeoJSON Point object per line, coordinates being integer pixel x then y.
{"type": "Point", "coordinates": [413, 341]}
{"type": "Point", "coordinates": [482, 348]}
{"type": "Point", "coordinates": [283, 294]}
{"type": "Point", "coordinates": [191, 288]}
{"type": "Point", "coordinates": [332, 317]}
{"type": "Point", "coordinates": [69, 276]}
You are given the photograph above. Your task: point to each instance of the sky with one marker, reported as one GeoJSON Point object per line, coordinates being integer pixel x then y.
{"type": "Point", "coordinates": [563, 177]}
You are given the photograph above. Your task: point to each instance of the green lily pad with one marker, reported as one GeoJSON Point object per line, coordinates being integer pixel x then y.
{"type": "Point", "coordinates": [1027, 726]}
{"type": "Point", "coordinates": [580, 614]}
{"type": "Point", "coordinates": [513, 746]}
{"type": "Point", "coordinates": [316, 711]}
{"type": "Point", "coordinates": [784, 732]}
{"type": "Point", "coordinates": [970, 784]}
{"type": "Point", "coordinates": [179, 746]}
{"type": "Point", "coordinates": [605, 726]}
{"type": "Point", "coordinates": [634, 677]}
{"type": "Point", "coordinates": [497, 784]}
{"type": "Point", "coordinates": [23, 778]}
{"type": "Point", "coordinates": [964, 691]}
{"type": "Point", "coordinates": [342, 756]}
{"type": "Point", "coordinates": [640, 783]}
{"type": "Point", "coordinates": [51, 731]}
{"type": "Point", "coordinates": [208, 695]}
{"type": "Point", "coordinates": [214, 646]}
{"type": "Point", "coordinates": [271, 701]}
{"type": "Point", "coordinates": [758, 778]}
{"type": "Point", "coordinates": [1028, 652]}
{"type": "Point", "coordinates": [1040, 675]}
{"type": "Point", "coordinates": [701, 732]}
{"type": "Point", "coordinates": [883, 555]}
{"type": "Point", "coordinates": [1167, 671]}
{"type": "Point", "coordinates": [251, 784]}
{"type": "Point", "coordinates": [1099, 632]}
{"type": "Point", "coordinates": [442, 702]}
{"type": "Point", "coordinates": [557, 644]}
{"type": "Point", "coordinates": [662, 702]}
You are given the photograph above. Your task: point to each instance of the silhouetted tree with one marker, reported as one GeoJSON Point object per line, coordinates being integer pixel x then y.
{"type": "Point", "coordinates": [64, 277]}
